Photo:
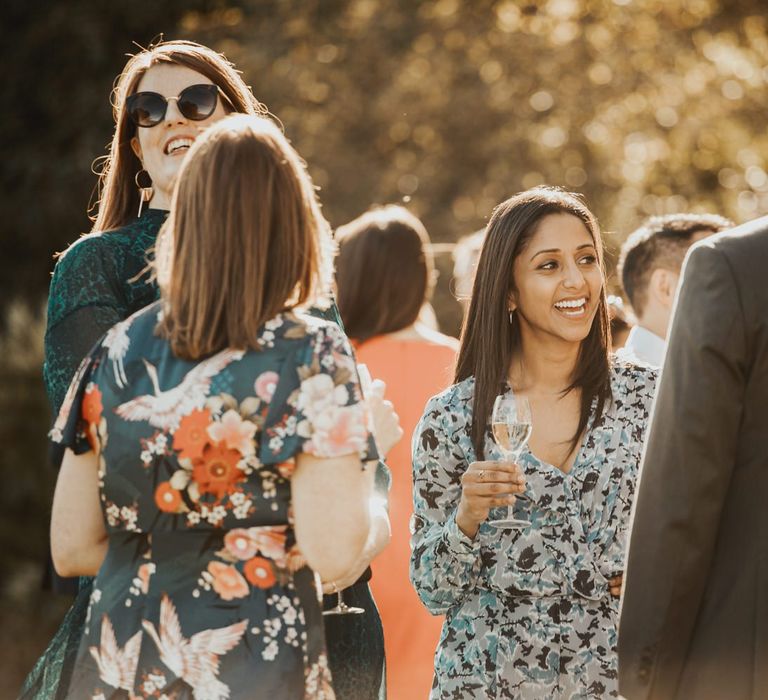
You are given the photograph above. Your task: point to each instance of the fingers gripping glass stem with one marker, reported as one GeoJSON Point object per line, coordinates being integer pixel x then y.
{"type": "Point", "coordinates": [511, 425]}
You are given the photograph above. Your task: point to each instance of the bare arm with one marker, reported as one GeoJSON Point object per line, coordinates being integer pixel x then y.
{"type": "Point", "coordinates": [378, 538]}
{"type": "Point", "coordinates": [78, 536]}
{"type": "Point", "coordinates": [331, 511]}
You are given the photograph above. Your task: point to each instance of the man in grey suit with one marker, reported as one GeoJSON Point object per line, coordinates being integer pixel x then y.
{"type": "Point", "coordinates": [694, 617]}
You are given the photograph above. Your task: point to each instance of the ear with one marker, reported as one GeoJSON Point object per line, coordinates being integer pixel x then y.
{"type": "Point", "coordinates": [662, 287]}
{"type": "Point", "coordinates": [511, 302]}
{"type": "Point", "coordinates": [136, 147]}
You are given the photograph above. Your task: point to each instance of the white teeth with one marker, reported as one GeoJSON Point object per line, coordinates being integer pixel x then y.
{"type": "Point", "coordinates": [571, 304]}
{"type": "Point", "coordinates": [176, 144]}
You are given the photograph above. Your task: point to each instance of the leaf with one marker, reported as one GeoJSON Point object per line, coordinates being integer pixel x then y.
{"type": "Point", "coordinates": [250, 406]}
{"type": "Point", "coordinates": [527, 558]}
{"type": "Point", "coordinates": [180, 479]}
{"type": "Point", "coordinates": [229, 402]}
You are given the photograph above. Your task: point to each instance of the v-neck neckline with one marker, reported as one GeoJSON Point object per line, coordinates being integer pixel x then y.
{"type": "Point", "coordinates": [583, 442]}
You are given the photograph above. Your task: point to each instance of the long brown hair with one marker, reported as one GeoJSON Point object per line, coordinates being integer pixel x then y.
{"type": "Point", "coordinates": [489, 340]}
{"type": "Point", "coordinates": [117, 196]}
{"type": "Point", "coordinates": [244, 241]}
{"type": "Point", "coordinates": [383, 271]}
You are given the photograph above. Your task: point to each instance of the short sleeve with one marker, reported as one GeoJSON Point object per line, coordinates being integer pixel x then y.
{"type": "Point", "coordinates": [325, 415]}
{"type": "Point", "coordinates": [332, 416]}
{"type": "Point", "coordinates": [78, 423]}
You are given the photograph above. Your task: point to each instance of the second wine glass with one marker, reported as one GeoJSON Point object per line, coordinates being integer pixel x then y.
{"type": "Point", "coordinates": [511, 425]}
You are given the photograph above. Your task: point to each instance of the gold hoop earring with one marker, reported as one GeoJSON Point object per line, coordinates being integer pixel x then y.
{"type": "Point", "coordinates": [145, 193]}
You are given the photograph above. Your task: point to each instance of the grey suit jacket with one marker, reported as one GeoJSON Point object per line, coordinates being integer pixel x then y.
{"type": "Point", "coordinates": [694, 616]}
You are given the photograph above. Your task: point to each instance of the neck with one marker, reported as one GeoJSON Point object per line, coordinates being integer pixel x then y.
{"type": "Point", "coordinates": [412, 332]}
{"type": "Point", "coordinates": [656, 323]}
{"type": "Point", "coordinates": [160, 200]}
{"type": "Point", "coordinates": [546, 365]}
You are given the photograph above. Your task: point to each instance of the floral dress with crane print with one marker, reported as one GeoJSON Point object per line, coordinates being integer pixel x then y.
{"type": "Point", "coordinates": [203, 592]}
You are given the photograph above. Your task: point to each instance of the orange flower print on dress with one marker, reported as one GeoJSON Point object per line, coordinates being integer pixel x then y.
{"type": "Point", "coordinates": [191, 437]}
{"type": "Point", "coordinates": [286, 469]}
{"type": "Point", "coordinates": [240, 544]}
{"type": "Point", "coordinates": [92, 409]}
{"type": "Point", "coordinates": [234, 432]}
{"type": "Point", "coordinates": [339, 432]}
{"type": "Point", "coordinates": [227, 581]}
{"type": "Point", "coordinates": [217, 473]}
{"type": "Point", "coordinates": [259, 572]}
{"type": "Point", "coordinates": [167, 498]}
{"type": "Point", "coordinates": [270, 541]}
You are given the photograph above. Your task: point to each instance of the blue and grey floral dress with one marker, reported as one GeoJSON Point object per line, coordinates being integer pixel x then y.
{"type": "Point", "coordinates": [528, 612]}
{"type": "Point", "coordinates": [203, 592]}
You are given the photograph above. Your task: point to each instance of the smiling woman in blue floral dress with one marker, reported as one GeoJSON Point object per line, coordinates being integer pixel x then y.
{"type": "Point", "coordinates": [216, 444]}
{"type": "Point", "coordinates": [531, 612]}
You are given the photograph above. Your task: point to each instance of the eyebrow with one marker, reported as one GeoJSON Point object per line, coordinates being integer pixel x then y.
{"type": "Point", "coordinates": [557, 250]}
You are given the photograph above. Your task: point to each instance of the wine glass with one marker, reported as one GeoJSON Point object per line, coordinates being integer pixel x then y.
{"type": "Point", "coordinates": [511, 425]}
{"type": "Point", "coordinates": [342, 608]}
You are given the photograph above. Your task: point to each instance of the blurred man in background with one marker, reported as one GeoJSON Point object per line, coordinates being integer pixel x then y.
{"type": "Point", "coordinates": [649, 266]}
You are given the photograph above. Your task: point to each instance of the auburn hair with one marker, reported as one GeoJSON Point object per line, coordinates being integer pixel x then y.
{"type": "Point", "coordinates": [244, 241]}
{"type": "Point", "coordinates": [383, 271]}
{"type": "Point", "coordinates": [117, 198]}
{"type": "Point", "coordinates": [488, 339]}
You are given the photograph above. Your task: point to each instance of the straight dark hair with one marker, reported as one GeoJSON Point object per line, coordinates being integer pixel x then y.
{"type": "Point", "coordinates": [383, 272]}
{"type": "Point", "coordinates": [489, 340]}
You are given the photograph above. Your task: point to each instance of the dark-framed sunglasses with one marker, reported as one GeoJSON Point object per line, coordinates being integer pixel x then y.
{"type": "Point", "coordinates": [196, 102]}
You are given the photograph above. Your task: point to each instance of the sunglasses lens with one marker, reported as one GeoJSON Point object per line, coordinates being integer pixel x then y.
{"type": "Point", "coordinates": [146, 108]}
{"type": "Point", "coordinates": [198, 102]}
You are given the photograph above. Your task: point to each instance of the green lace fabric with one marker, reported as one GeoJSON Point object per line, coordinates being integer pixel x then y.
{"type": "Point", "coordinates": [98, 281]}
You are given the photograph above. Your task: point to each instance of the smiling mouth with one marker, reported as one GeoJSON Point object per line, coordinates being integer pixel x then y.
{"type": "Point", "coordinates": [176, 146]}
{"type": "Point", "coordinates": [572, 308]}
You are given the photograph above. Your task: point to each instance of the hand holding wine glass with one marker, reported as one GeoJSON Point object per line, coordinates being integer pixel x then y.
{"type": "Point", "coordinates": [511, 425]}
{"type": "Point", "coordinates": [486, 485]}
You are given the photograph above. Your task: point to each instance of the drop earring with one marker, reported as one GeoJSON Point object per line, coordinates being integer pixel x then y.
{"type": "Point", "coordinates": [511, 315]}
{"type": "Point", "coordinates": [145, 193]}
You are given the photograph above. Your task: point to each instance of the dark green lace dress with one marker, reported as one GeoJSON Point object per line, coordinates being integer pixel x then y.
{"type": "Point", "coordinates": [98, 282]}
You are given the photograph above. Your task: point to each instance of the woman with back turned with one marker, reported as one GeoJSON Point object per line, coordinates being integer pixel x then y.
{"type": "Point", "coordinates": [385, 274]}
{"type": "Point", "coordinates": [217, 446]}
{"type": "Point", "coordinates": [531, 608]}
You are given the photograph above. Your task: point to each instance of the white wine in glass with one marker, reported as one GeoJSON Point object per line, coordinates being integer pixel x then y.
{"type": "Point", "coordinates": [511, 426]}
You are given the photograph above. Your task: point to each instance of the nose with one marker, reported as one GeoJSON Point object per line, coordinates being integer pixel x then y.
{"type": "Point", "coordinates": [573, 278]}
{"type": "Point", "coordinates": [172, 112]}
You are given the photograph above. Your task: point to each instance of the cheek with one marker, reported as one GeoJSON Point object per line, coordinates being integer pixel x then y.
{"type": "Point", "coordinates": [595, 281]}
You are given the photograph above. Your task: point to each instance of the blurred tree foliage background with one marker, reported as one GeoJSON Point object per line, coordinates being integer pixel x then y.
{"type": "Point", "coordinates": [645, 106]}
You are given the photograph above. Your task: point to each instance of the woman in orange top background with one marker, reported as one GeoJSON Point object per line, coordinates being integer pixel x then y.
{"type": "Point", "coordinates": [385, 274]}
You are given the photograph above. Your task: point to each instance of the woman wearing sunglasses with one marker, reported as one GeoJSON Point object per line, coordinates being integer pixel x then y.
{"type": "Point", "coordinates": [164, 98]}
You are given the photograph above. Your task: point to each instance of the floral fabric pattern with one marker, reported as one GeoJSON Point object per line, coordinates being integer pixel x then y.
{"type": "Point", "coordinates": [528, 611]}
{"type": "Point", "coordinates": [204, 592]}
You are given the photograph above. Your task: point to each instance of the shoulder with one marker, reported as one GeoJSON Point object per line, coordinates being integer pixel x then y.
{"type": "Point", "coordinates": [440, 339]}
{"type": "Point", "coordinates": [633, 380]}
{"type": "Point", "coordinates": [736, 251]}
{"type": "Point", "coordinates": [88, 251]}
{"type": "Point", "coordinates": [313, 327]}
{"type": "Point", "coordinates": [97, 250]}
{"type": "Point", "coordinates": [456, 399]}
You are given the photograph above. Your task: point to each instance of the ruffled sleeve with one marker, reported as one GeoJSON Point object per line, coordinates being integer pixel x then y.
{"type": "Point", "coordinates": [324, 415]}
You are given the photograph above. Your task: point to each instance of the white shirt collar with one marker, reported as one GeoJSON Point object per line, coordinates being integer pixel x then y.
{"type": "Point", "coordinates": [645, 346]}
